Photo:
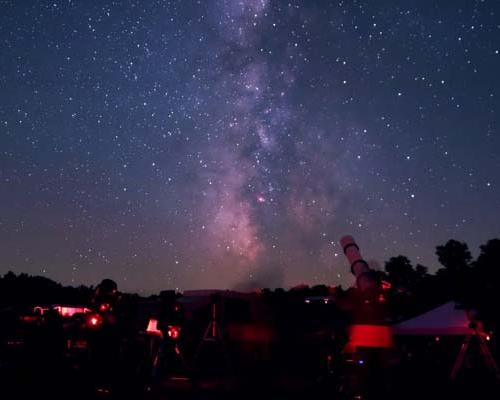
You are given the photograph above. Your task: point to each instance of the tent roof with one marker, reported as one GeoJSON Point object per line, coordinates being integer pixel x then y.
{"type": "Point", "coordinates": [443, 320]}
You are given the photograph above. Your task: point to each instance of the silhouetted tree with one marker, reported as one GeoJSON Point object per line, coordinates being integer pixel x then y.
{"type": "Point", "coordinates": [400, 272]}
{"type": "Point", "coordinates": [319, 290]}
{"type": "Point", "coordinates": [421, 271]}
{"type": "Point", "coordinates": [454, 255]}
{"type": "Point", "coordinates": [489, 259]}
{"type": "Point", "coordinates": [23, 289]}
{"type": "Point", "coordinates": [455, 278]}
{"type": "Point", "coordinates": [486, 283]}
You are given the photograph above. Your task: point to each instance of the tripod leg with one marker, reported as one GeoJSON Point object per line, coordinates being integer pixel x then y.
{"type": "Point", "coordinates": [460, 358]}
{"type": "Point", "coordinates": [203, 339]}
{"type": "Point", "coordinates": [488, 357]}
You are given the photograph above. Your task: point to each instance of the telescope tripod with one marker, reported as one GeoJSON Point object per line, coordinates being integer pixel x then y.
{"type": "Point", "coordinates": [485, 353]}
{"type": "Point", "coordinates": [213, 333]}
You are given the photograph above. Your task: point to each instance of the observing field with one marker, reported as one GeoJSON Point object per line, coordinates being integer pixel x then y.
{"type": "Point", "coordinates": [249, 199]}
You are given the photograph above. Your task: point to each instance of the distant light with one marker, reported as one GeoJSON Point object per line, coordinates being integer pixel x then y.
{"type": "Point", "coordinates": [437, 338]}
{"type": "Point", "coordinates": [307, 301]}
{"type": "Point", "coordinates": [361, 362]}
{"type": "Point", "coordinates": [488, 337]}
{"type": "Point", "coordinates": [94, 320]}
{"type": "Point", "coordinates": [65, 311]}
{"type": "Point", "coordinates": [385, 285]}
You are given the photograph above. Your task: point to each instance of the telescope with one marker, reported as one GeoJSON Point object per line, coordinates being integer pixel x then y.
{"type": "Point", "coordinates": [359, 267]}
{"type": "Point", "coordinates": [369, 328]}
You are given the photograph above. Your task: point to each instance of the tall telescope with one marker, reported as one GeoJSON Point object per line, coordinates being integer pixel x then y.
{"type": "Point", "coordinates": [369, 329]}
{"type": "Point", "coordinates": [359, 267]}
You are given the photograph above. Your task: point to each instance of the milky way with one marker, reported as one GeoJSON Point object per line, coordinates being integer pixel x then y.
{"type": "Point", "coordinates": [231, 143]}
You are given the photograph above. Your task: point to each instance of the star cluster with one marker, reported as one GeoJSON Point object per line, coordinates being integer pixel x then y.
{"type": "Point", "coordinates": [231, 143]}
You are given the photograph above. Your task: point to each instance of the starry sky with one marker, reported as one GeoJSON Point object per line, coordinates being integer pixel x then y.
{"type": "Point", "coordinates": [231, 143]}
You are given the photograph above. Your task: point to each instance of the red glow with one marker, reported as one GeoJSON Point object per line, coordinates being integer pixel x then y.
{"type": "Point", "coordinates": [104, 307]}
{"type": "Point", "coordinates": [153, 327]}
{"type": "Point", "coordinates": [174, 332]}
{"type": "Point", "coordinates": [369, 336]}
{"type": "Point", "coordinates": [39, 310]}
{"type": "Point", "coordinates": [65, 311]}
{"type": "Point", "coordinates": [385, 285]}
{"type": "Point", "coordinates": [94, 320]}
{"type": "Point", "coordinates": [29, 318]}
{"type": "Point", "coordinates": [437, 338]}
{"type": "Point", "coordinates": [250, 333]}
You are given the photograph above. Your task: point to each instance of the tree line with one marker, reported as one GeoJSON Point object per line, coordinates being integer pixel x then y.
{"type": "Point", "coordinates": [472, 283]}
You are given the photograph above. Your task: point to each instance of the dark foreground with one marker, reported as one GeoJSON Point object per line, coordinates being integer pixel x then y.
{"type": "Point", "coordinates": [46, 380]}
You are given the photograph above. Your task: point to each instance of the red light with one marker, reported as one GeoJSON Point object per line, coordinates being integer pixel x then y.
{"type": "Point", "coordinates": [67, 311]}
{"type": "Point", "coordinates": [173, 332]}
{"type": "Point", "coordinates": [104, 307]}
{"type": "Point", "coordinates": [153, 327]}
{"type": "Point", "coordinates": [488, 337]}
{"type": "Point", "coordinates": [369, 336]}
{"type": "Point", "coordinates": [94, 320]}
{"type": "Point", "coordinates": [385, 285]}
{"type": "Point", "coordinates": [437, 338]}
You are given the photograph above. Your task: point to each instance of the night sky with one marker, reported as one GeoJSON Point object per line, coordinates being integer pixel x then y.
{"type": "Point", "coordinates": [231, 143]}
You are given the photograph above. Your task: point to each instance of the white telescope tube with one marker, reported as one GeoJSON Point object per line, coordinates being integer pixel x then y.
{"type": "Point", "coordinates": [359, 267]}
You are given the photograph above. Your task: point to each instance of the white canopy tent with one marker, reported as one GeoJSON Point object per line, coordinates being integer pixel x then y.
{"type": "Point", "coordinates": [446, 319]}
